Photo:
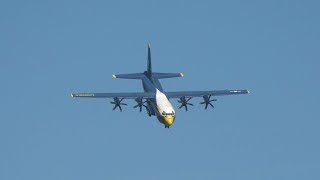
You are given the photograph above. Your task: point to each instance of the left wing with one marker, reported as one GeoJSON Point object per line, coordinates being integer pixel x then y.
{"type": "Point", "coordinates": [115, 95]}
{"type": "Point", "coordinates": [204, 93]}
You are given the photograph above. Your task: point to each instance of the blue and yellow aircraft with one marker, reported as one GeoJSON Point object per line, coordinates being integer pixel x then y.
{"type": "Point", "coordinates": [154, 98]}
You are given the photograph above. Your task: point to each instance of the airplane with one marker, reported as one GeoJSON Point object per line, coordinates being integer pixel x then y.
{"type": "Point", "coordinates": [154, 99]}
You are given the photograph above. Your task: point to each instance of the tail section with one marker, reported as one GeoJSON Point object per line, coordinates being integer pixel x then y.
{"type": "Point", "coordinates": [148, 73]}
{"type": "Point", "coordinates": [149, 68]}
{"type": "Point", "coordinates": [159, 75]}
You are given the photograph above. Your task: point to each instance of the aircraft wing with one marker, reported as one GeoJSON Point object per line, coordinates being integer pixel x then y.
{"type": "Point", "coordinates": [113, 95]}
{"type": "Point", "coordinates": [204, 93]}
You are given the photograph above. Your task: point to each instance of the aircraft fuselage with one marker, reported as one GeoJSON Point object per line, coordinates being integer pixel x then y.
{"type": "Point", "coordinates": [159, 106]}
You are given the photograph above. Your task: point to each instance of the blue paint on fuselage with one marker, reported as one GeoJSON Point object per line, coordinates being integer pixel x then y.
{"type": "Point", "coordinates": [151, 84]}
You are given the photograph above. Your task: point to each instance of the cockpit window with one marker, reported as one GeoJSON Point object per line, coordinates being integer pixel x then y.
{"type": "Point", "coordinates": [167, 114]}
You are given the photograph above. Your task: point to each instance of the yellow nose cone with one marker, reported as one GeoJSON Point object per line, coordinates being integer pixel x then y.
{"type": "Point", "coordinates": [169, 120]}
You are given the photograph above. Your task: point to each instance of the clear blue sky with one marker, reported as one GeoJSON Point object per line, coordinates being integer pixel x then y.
{"type": "Point", "coordinates": [49, 49]}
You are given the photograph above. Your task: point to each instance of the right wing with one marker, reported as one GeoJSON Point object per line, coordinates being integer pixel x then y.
{"type": "Point", "coordinates": [115, 95]}
{"type": "Point", "coordinates": [204, 93]}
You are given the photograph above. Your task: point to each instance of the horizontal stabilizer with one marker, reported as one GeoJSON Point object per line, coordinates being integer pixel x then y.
{"type": "Point", "coordinates": [166, 75]}
{"type": "Point", "coordinates": [129, 76]}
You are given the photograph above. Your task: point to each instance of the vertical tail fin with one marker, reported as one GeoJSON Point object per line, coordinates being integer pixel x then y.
{"type": "Point", "coordinates": [149, 70]}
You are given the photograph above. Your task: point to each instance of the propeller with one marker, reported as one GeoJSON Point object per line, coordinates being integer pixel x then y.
{"type": "Point", "coordinates": [185, 102]}
{"type": "Point", "coordinates": [140, 104]}
{"type": "Point", "coordinates": [117, 103]}
{"type": "Point", "coordinates": [207, 101]}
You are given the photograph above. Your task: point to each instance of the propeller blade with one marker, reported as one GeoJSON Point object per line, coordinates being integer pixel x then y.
{"type": "Point", "coordinates": [207, 101]}
{"type": "Point", "coordinates": [117, 103]}
{"type": "Point", "coordinates": [140, 104]}
{"type": "Point", "coordinates": [206, 106]}
{"type": "Point", "coordinates": [184, 102]}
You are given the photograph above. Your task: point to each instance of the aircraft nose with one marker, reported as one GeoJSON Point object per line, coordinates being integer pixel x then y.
{"type": "Point", "coordinates": [169, 120]}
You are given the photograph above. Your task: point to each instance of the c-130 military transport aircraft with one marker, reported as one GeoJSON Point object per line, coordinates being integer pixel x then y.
{"type": "Point", "coordinates": [156, 99]}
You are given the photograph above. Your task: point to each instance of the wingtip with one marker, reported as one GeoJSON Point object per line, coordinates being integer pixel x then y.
{"type": "Point", "coordinates": [149, 45]}
{"type": "Point", "coordinates": [71, 95]}
{"type": "Point", "coordinates": [181, 74]}
{"type": "Point", "coordinates": [114, 76]}
{"type": "Point", "coordinates": [248, 91]}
